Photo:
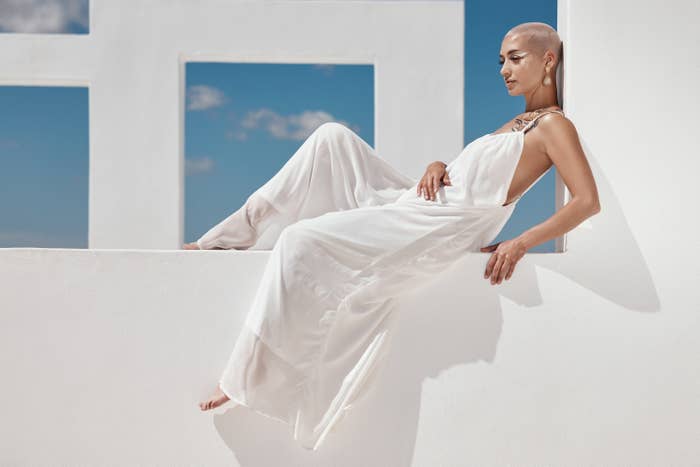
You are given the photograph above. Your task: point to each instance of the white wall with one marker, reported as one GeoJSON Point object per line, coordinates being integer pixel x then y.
{"type": "Point", "coordinates": [589, 357]}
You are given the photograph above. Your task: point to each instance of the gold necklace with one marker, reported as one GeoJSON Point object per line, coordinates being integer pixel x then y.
{"type": "Point", "coordinates": [521, 123]}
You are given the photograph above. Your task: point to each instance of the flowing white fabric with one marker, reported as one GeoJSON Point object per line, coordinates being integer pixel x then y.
{"type": "Point", "coordinates": [354, 235]}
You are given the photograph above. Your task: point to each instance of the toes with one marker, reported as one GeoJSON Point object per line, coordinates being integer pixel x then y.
{"type": "Point", "coordinates": [213, 402]}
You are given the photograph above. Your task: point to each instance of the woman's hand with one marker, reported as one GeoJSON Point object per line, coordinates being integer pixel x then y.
{"type": "Point", "coordinates": [435, 174]}
{"type": "Point", "coordinates": [502, 263]}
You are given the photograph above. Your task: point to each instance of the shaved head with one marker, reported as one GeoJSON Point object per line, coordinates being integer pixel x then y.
{"type": "Point", "coordinates": [539, 37]}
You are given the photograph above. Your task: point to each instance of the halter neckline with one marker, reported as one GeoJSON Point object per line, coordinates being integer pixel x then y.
{"type": "Point", "coordinates": [522, 132]}
{"type": "Point", "coordinates": [529, 124]}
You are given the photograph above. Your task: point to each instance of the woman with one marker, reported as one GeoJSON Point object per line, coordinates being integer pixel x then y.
{"type": "Point", "coordinates": [356, 233]}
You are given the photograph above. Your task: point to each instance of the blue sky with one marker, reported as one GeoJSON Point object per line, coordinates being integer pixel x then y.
{"type": "Point", "coordinates": [243, 122]}
{"type": "Point", "coordinates": [45, 16]}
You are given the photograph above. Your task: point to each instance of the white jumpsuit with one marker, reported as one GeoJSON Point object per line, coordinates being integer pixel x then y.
{"type": "Point", "coordinates": [354, 235]}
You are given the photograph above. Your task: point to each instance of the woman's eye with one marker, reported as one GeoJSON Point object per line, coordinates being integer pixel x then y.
{"type": "Point", "coordinates": [500, 62]}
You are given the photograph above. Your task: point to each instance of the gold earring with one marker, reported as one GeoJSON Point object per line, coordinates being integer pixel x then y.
{"type": "Point", "coordinates": [547, 80]}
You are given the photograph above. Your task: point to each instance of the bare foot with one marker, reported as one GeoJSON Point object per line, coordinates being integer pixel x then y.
{"type": "Point", "coordinates": [214, 400]}
{"type": "Point", "coordinates": [194, 246]}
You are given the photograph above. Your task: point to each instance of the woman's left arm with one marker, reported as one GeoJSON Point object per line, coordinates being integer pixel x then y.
{"type": "Point", "coordinates": [563, 147]}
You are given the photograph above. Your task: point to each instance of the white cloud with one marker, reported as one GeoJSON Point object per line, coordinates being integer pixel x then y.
{"type": "Point", "coordinates": [236, 134]}
{"type": "Point", "coordinates": [294, 127]}
{"type": "Point", "coordinates": [201, 97]}
{"type": "Point", "coordinates": [198, 165]}
{"type": "Point", "coordinates": [42, 16]}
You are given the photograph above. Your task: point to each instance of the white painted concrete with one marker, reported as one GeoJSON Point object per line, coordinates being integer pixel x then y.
{"type": "Point", "coordinates": [589, 357]}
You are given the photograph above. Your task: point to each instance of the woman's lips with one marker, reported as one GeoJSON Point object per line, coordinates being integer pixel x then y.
{"type": "Point", "coordinates": [508, 83]}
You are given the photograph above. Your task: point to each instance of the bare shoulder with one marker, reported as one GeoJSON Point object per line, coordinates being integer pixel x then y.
{"type": "Point", "coordinates": [557, 131]}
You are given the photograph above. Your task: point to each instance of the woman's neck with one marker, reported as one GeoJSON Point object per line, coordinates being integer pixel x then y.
{"type": "Point", "coordinates": [542, 109]}
{"type": "Point", "coordinates": [543, 97]}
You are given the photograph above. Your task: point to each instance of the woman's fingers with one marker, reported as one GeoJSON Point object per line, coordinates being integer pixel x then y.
{"type": "Point", "coordinates": [505, 267]}
{"type": "Point", "coordinates": [510, 271]}
{"type": "Point", "coordinates": [501, 264]}
{"type": "Point", "coordinates": [496, 269]}
{"type": "Point", "coordinates": [428, 188]}
{"type": "Point", "coordinates": [489, 266]}
{"type": "Point", "coordinates": [500, 267]}
{"type": "Point", "coordinates": [430, 184]}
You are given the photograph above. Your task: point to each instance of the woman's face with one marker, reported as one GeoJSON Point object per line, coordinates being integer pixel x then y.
{"type": "Point", "coordinates": [520, 65]}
